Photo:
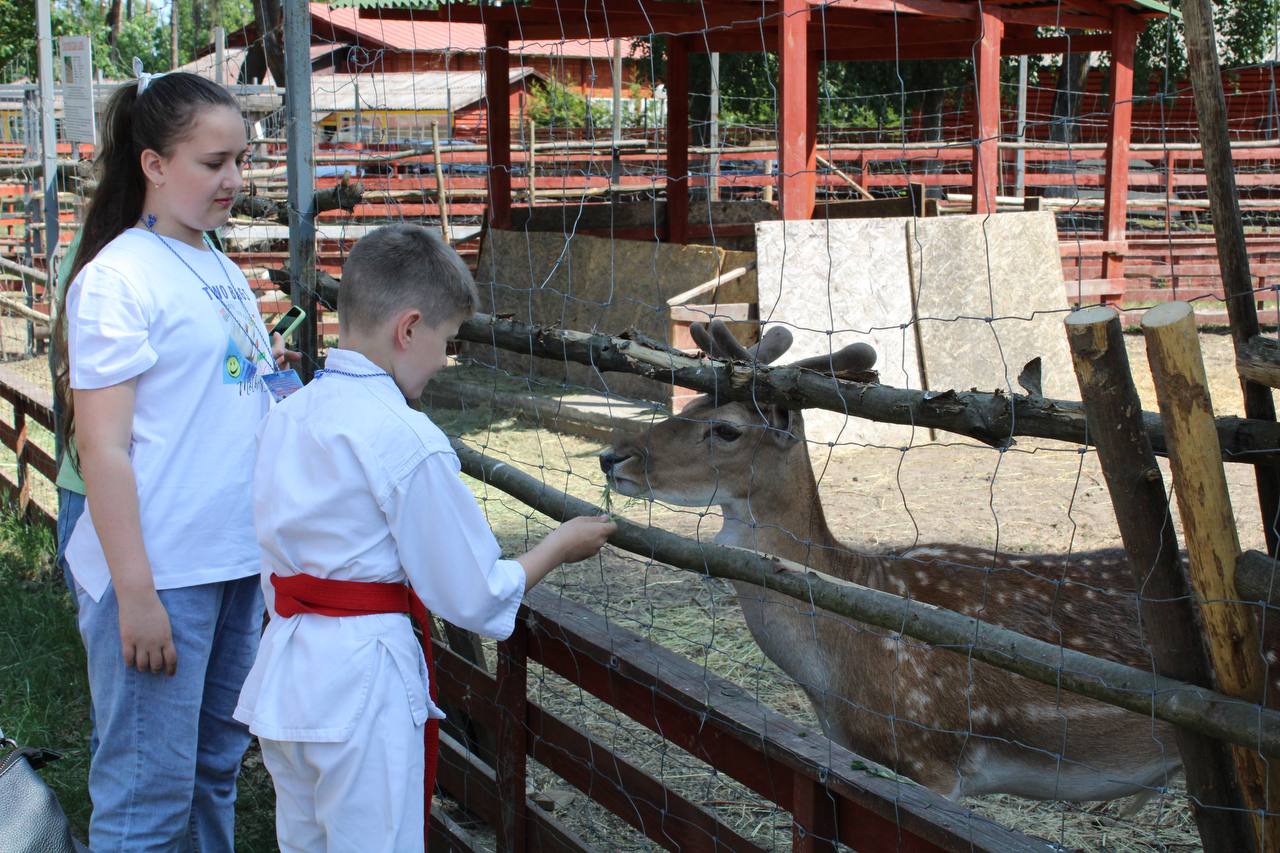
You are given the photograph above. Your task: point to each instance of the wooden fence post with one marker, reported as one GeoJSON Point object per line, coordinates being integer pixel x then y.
{"type": "Point", "coordinates": [1228, 230]}
{"type": "Point", "coordinates": [20, 451]}
{"type": "Point", "coordinates": [813, 817]}
{"type": "Point", "coordinates": [1114, 416]}
{"type": "Point", "coordinates": [442, 194]}
{"type": "Point", "coordinates": [1173, 348]}
{"type": "Point", "coordinates": [532, 166]}
{"type": "Point", "coordinates": [513, 735]}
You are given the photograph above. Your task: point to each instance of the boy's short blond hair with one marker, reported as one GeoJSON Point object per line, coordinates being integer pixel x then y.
{"type": "Point", "coordinates": [404, 266]}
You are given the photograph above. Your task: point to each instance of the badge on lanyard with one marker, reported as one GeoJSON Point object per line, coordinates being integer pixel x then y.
{"type": "Point", "coordinates": [282, 383]}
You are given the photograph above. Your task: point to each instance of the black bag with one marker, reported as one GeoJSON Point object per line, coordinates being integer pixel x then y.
{"type": "Point", "coordinates": [31, 820]}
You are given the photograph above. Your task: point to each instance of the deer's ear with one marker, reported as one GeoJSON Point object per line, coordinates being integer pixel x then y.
{"type": "Point", "coordinates": [784, 425]}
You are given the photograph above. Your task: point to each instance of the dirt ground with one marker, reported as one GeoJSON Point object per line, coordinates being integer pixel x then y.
{"type": "Point", "coordinates": [1039, 496]}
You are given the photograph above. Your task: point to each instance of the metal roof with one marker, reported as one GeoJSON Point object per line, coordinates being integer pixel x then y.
{"type": "Point", "coordinates": [405, 90]}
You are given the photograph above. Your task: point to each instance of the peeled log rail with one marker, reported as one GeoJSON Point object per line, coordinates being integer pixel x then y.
{"type": "Point", "coordinates": [1256, 579]}
{"type": "Point", "coordinates": [24, 270]}
{"type": "Point", "coordinates": [344, 196]}
{"type": "Point", "coordinates": [327, 287]}
{"type": "Point", "coordinates": [1186, 705]}
{"type": "Point", "coordinates": [30, 168]}
{"type": "Point", "coordinates": [994, 419]}
{"type": "Point", "coordinates": [1259, 361]}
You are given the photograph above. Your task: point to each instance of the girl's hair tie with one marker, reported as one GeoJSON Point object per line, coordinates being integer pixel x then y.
{"type": "Point", "coordinates": [144, 79]}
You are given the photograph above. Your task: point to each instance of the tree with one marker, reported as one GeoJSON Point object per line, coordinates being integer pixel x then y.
{"type": "Point", "coordinates": [268, 19]}
{"type": "Point", "coordinates": [113, 23]}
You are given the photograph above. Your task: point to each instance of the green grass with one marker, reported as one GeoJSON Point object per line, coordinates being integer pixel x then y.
{"type": "Point", "coordinates": [44, 693]}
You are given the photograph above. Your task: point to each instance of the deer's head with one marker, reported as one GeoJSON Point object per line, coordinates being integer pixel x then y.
{"type": "Point", "coordinates": [718, 453]}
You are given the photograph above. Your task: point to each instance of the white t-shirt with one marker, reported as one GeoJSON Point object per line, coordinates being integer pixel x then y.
{"type": "Point", "coordinates": [352, 484]}
{"type": "Point", "coordinates": [192, 336]}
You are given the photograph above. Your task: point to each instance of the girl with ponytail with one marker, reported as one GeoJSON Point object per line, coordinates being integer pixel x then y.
{"type": "Point", "coordinates": [162, 350]}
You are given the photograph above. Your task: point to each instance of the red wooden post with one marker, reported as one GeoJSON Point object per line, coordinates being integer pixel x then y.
{"type": "Point", "coordinates": [20, 451]}
{"type": "Point", "coordinates": [678, 139]}
{"type": "Point", "coordinates": [813, 817]}
{"type": "Point", "coordinates": [497, 90]}
{"type": "Point", "coordinates": [986, 124]}
{"type": "Point", "coordinates": [1124, 39]}
{"type": "Point", "coordinates": [811, 131]}
{"type": "Point", "coordinates": [510, 774]}
{"type": "Point", "coordinates": [795, 146]}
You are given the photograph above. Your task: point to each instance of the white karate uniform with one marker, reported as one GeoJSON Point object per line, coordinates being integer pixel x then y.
{"type": "Point", "coordinates": [353, 484]}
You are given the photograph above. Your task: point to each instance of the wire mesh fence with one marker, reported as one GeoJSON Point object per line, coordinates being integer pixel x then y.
{"type": "Point", "coordinates": [962, 512]}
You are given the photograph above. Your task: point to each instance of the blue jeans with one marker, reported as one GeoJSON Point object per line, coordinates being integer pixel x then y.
{"type": "Point", "coordinates": [163, 772]}
{"type": "Point", "coordinates": [70, 508]}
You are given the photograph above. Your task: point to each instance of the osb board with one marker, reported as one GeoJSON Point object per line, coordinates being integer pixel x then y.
{"type": "Point", "coordinates": [833, 283]}
{"type": "Point", "coordinates": [966, 269]}
{"type": "Point", "coordinates": [594, 284]}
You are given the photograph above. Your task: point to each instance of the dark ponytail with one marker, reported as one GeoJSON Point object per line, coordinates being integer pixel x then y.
{"type": "Point", "coordinates": [157, 119]}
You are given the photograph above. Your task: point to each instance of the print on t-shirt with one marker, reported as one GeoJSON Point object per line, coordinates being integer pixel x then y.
{"type": "Point", "coordinates": [245, 359]}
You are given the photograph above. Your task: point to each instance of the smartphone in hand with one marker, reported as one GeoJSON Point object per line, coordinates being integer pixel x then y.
{"type": "Point", "coordinates": [289, 322]}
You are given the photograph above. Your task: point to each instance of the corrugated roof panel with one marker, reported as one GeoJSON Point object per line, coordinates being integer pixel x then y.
{"type": "Point", "coordinates": [443, 35]}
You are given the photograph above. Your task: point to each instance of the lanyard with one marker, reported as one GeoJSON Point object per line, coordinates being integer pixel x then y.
{"type": "Point", "coordinates": [252, 321]}
{"type": "Point", "coordinates": [322, 372]}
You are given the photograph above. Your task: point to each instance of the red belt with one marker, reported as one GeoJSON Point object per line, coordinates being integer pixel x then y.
{"type": "Point", "coordinates": [328, 597]}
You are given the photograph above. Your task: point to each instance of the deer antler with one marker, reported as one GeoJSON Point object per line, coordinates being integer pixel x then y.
{"type": "Point", "coordinates": [719, 342]}
{"type": "Point", "coordinates": [851, 362]}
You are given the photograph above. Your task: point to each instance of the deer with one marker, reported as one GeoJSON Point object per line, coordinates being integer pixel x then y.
{"type": "Point", "coordinates": [957, 726]}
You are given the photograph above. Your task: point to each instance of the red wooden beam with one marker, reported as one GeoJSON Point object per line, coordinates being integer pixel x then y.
{"type": "Point", "coordinates": [678, 139]}
{"type": "Point", "coordinates": [879, 45]}
{"type": "Point", "coordinates": [1054, 44]}
{"type": "Point", "coordinates": [497, 89]}
{"type": "Point", "coordinates": [986, 152]}
{"type": "Point", "coordinates": [962, 49]}
{"type": "Point", "coordinates": [930, 8]}
{"type": "Point", "coordinates": [795, 144]}
{"type": "Point", "coordinates": [1050, 16]}
{"type": "Point", "coordinates": [1124, 39]}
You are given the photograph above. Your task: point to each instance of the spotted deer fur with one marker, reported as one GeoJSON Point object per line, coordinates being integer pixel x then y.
{"type": "Point", "coordinates": [957, 725]}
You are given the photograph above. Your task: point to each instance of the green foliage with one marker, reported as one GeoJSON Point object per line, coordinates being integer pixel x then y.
{"type": "Point", "coordinates": [197, 18]}
{"type": "Point", "coordinates": [44, 694]}
{"type": "Point", "coordinates": [555, 104]}
{"type": "Point", "coordinates": [1247, 29]}
{"type": "Point", "coordinates": [143, 36]}
{"type": "Point", "coordinates": [146, 36]}
{"type": "Point", "coordinates": [17, 33]}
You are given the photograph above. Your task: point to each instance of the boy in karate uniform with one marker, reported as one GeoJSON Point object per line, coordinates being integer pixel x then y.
{"type": "Point", "coordinates": [357, 495]}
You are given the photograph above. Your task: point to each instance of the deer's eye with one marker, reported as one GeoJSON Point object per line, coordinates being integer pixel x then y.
{"type": "Point", "coordinates": [724, 432]}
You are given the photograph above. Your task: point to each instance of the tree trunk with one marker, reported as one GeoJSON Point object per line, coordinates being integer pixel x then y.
{"type": "Point", "coordinates": [1073, 75]}
{"type": "Point", "coordinates": [173, 35]}
{"type": "Point", "coordinates": [113, 23]}
{"type": "Point", "coordinates": [270, 24]}
{"type": "Point", "coordinates": [197, 22]}
{"type": "Point", "coordinates": [931, 107]}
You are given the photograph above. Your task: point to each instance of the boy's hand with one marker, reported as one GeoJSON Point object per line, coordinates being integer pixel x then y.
{"type": "Point", "coordinates": [582, 537]}
{"type": "Point", "coordinates": [145, 635]}
{"type": "Point", "coordinates": [284, 357]}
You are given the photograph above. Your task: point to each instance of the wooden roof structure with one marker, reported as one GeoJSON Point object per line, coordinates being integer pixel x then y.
{"type": "Point", "coordinates": [805, 33]}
